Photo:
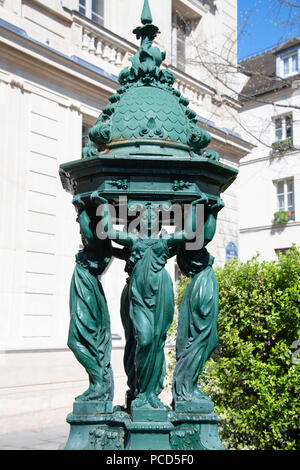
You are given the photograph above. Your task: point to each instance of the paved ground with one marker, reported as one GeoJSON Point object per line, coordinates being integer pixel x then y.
{"type": "Point", "coordinates": [51, 438]}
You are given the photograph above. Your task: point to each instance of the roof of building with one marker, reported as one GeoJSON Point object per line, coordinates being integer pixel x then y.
{"type": "Point", "coordinates": [261, 69]}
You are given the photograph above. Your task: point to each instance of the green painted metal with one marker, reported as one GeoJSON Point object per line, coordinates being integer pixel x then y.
{"type": "Point", "coordinates": [146, 17]}
{"type": "Point", "coordinates": [147, 107]}
{"type": "Point", "coordinates": [89, 332]}
{"type": "Point", "coordinates": [197, 336]}
{"type": "Point", "coordinates": [150, 296]}
{"type": "Point", "coordinates": [146, 145]}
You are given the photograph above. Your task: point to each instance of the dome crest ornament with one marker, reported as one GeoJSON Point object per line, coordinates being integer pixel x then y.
{"type": "Point", "coordinates": [146, 106]}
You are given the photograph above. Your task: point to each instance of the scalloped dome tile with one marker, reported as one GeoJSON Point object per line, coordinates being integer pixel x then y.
{"type": "Point", "coordinates": [162, 115]}
{"type": "Point", "coordinates": [178, 128]}
{"type": "Point", "coordinates": [173, 117]}
{"type": "Point", "coordinates": [139, 115]}
{"type": "Point", "coordinates": [144, 107]}
{"type": "Point", "coordinates": [133, 124]}
{"type": "Point", "coordinates": [139, 105]}
{"type": "Point", "coordinates": [169, 126]}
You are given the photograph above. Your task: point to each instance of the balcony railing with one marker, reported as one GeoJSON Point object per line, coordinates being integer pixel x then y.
{"type": "Point", "coordinates": [100, 43]}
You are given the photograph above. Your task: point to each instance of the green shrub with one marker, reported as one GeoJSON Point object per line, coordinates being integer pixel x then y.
{"type": "Point", "coordinates": [252, 377]}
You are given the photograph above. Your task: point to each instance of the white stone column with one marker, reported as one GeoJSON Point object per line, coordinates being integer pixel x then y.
{"type": "Point", "coordinates": [99, 47]}
{"type": "Point", "coordinates": [14, 160]}
{"type": "Point", "coordinates": [85, 39]}
{"type": "Point", "coordinates": [92, 47]}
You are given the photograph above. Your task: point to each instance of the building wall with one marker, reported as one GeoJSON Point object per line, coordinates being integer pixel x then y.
{"type": "Point", "coordinates": [258, 172]}
{"type": "Point", "coordinates": [258, 203]}
{"type": "Point", "coordinates": [213, 28]}
{"type": "Point", "coordinates": [57, 70]}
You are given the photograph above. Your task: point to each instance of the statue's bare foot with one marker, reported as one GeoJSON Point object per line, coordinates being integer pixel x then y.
{"type": "Point", "coordinates": [144, 400]}
{"type": "Point", "coordinates": [139, 401]}
{"type": "Point", "coordinates": [155, 401]}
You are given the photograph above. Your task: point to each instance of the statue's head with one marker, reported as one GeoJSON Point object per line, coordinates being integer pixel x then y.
{"type": "Point", "coordinates": [149, 221]}
{"type": "Point", "coordinates": [191, 262]}
{"type": "Point", "coordinates": [95, 260]}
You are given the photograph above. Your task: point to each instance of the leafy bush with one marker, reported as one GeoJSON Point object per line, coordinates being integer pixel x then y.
{"type": "Point", "coordinates": [253, 377]}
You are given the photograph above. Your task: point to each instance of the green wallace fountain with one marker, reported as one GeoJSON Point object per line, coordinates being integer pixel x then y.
{"type": "Point", "coordinates": [145, 155]}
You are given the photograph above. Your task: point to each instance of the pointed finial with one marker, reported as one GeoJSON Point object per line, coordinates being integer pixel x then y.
{"type": "Point", "coordinates": [148, 31]}
{"type": "Point", "coordinates": [146, 17]}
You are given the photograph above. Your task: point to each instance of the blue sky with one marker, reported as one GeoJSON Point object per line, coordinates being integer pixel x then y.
{"type": "Point", "coordinates": [264, 23]}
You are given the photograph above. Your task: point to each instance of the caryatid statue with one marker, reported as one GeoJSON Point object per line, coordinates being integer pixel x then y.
{"type": "Point", "coordinates": [89, 330]}
{"type": "Point", "coordinates": [197, 336]}
{"type": "Point", "coordinates": [149, 299]}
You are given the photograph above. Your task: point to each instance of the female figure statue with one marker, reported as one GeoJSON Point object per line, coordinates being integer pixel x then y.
{"type": "Point", "coordinates": [130, 340]}
{"type": "Point", "coordinates": [150, 296]}
{"type": "Point", "coordinates": [197, 328]}
{"type": "Point", "coordinates": [89, 331]}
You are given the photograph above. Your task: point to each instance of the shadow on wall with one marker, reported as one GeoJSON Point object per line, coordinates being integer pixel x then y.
{"type": "Point", "coordinates": [277, 229]}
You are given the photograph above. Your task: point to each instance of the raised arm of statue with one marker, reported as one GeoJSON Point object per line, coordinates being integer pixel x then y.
{"type": "Point", "coordinates": [211, 221]}
{"type": "Point", "coordinates": [89, 332]}
{"type": "Point", "coordinates": [122, 238]}
{"type": "Point", "coordinates": [190, 225]}
{"type": "Point", "coordinates": [83, 219]}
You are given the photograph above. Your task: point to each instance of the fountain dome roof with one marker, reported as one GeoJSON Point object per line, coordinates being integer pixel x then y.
{"type": "Point", "coordinates": [147, 115]}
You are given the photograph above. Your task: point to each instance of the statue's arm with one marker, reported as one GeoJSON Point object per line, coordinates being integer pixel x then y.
{"type": "Point", "coordinates": [83, 219]}
{"type": "Point", "coordinates": [211, 221]}
{"type": "Point", "coordinates": [122, 238]}
{"type": "Point", "coordinates": [190, 227]}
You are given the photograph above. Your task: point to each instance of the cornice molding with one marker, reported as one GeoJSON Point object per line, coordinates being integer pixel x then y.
{"type": "Point", "coordinates": [59, 11]}
{"type": "Point", "coordinates": [36, 58]}
{"type": "Point", "coordinates": [270, 227]}
{"type": "Point", "coordinates": [290, 153]}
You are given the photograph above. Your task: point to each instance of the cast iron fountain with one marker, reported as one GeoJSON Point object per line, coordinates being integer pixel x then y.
{"type": "Point", "coordinates": [145, 154]}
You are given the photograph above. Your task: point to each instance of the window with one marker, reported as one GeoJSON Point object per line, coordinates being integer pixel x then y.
{"type": "Point", "coordinates": [282, 251]}
{"type": "Point", "coordinates": [182, 34]}
{"type": "Point", "coordinates": [93, 9]}
{"type": "Point", "coordinates": [290, 64]}
{"type": "Point", "coordinates": [278, 129]}
{"type": "Point", "coordinates": [284, 127]}
{"type": "Point", "coordinates": [84, 135]}
{"type": "Point", "coordinates": [181, 30]}
{"type": "Point", "coordinates": [283, 133]}
{"type": "Point", "coordinates": [285, 197]}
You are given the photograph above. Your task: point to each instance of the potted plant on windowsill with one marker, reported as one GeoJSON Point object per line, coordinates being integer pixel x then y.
{"type": "Point", "coordinates": [282, 145]}
{"type": "Point", "coordinates": [281, 217]}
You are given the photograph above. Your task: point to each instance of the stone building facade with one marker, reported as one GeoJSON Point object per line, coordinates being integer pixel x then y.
{"type": "Point", "coordinates": [59, 62]}
{"type": "Point", "coordinates": [269, 179]}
